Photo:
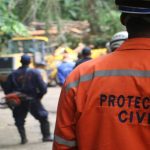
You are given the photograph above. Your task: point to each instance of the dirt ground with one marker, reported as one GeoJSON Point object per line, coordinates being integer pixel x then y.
{"type": "Point", "coordinates": [9, 138]}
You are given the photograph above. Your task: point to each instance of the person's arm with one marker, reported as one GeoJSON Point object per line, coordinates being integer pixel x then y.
{"type": "Point", "coordinates": [8, 85]}
{"type": "Point", "coordinates": [64, 136]}
{"type": "Point", "coordinates": [60, 76]}
{"type": "Point", "coordinates": [41, 85]}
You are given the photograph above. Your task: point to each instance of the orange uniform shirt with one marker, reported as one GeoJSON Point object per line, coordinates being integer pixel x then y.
{"type": "Point", "coordinates": [105, 103]}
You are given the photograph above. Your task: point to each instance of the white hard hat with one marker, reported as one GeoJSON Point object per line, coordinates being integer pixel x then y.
{"type": "Point", "coordinates": [117, 40]}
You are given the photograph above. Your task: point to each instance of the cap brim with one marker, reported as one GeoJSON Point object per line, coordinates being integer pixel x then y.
{"type": "Point", "coordinates": [133, 10]}
{"type": "Point", "coordinates": [134, 3]}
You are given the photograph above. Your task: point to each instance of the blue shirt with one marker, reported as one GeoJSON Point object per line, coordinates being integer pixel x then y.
{"type": "Point", "coordinates": [64, 70]}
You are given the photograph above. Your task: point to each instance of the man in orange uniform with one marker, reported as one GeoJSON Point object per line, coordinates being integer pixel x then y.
{"type": "Point", "coordinates": [105, 103]}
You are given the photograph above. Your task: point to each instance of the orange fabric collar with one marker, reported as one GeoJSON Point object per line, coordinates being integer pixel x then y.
{"type": "Point", "coordinates": [135, 44]}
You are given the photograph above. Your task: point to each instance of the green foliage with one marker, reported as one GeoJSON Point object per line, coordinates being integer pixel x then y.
{"type": "Point", "coordinates": [9, 23]}
{"type": "Point", "coordinates": [72, 40]}
{"type": "Point", "coordinates": [71, 9]}
{"type": "Point", "coordinates": [109, 22]}
{"type": "Point", "coordinates": [33, 10]}
{"type": "Point", "coordinates": [101, 14]}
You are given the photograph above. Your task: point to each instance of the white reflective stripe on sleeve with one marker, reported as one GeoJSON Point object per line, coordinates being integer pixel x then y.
{"type": "Point", "coordinates": [65, 142]}
{"type": "Point", "coordinates": [109, 73]}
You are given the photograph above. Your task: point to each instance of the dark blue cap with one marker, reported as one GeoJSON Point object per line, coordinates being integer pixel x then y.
{"type": "Point", "coordinates": [86, 51]}
{"type": "Point", "coordinates": [25, 59]}
{"type": "Point", "coordinates": [134, 6]}
{"type": "Point", "coordinates": [134, 3]}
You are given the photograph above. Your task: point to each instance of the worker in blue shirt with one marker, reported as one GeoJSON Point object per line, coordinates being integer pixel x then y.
{"type": "Point", "coordinates": [64, 69]}
{"type": "Point", "coordinates": [29, 81]}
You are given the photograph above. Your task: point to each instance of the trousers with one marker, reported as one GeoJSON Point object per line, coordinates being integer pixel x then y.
{"type": "Point", "coordinates": [36, 109]}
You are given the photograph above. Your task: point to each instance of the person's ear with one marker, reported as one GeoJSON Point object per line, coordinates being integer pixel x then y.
{"type": "Point", "coordinates": [123, 18]}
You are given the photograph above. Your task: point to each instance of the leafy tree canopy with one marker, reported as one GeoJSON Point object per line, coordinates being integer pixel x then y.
{"type": "Point", "coordinates": [101, 14]}
{"type": "Point", "coordinates": [9, 23]}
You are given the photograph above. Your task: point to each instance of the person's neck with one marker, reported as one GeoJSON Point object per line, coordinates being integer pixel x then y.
{"type": "Point", "coordinates": [25, 66]}
{"type": "Point", "coordinates": [139, 35]}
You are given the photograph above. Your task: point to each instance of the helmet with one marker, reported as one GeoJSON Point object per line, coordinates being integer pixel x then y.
{"type": "Point", "coordinates": [134, 6]}
{"type": "Point", "coordinates": [117, 40]}
{"type": "Point", "coordinates": [25, 59]}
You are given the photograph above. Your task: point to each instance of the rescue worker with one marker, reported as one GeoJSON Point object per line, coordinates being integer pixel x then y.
{"type": "Point", "coordinates": [117, 40]}
{"type": "Point", "coordinates": [64, 69]}
{"type": "Point", "coordinates": [29, 81]}
{"type": "Point", "coordinates": [85, 56]}
{"type": "Point", "coordinates": [105, 102]}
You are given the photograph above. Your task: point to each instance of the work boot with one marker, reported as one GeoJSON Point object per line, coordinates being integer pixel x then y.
{"type": "Point", "coordinates": [24, 141]}
{"type": "Point", "coordinates": [45, 129]}
{"type": "Point", "coordinates": [48, 139]}
{"type": "Point", "coordinates": [22, 133]}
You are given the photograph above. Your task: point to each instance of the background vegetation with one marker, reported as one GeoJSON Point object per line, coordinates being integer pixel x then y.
{"type": "Point", "coordinates": [102, 15]}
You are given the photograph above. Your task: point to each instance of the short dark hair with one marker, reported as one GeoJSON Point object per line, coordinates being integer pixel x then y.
{"type": "Point", "coordinates": [25, 59]}
{"type": "Point", "coordinates": [86, 51]}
